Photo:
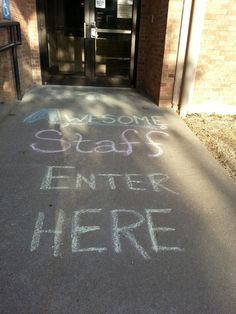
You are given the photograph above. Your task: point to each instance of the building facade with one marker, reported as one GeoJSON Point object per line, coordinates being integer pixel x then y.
{"type": "Point", "coordinates": [181, 53]}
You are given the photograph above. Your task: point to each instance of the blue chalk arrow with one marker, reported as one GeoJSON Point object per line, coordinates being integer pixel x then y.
{"type": "Point", "coordinates": [48, 114]}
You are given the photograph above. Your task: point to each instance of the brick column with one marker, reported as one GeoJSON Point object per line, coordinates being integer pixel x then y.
{"type": "Point", "coordinates": [170, 51]}
{"type": "Point", "coordinates": [158, 44]}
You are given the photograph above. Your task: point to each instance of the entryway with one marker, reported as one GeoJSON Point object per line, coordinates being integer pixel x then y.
{"type": "Point", "coordinates": [88, 42]}
{"type": "Point", "coordinates": [109, 204]}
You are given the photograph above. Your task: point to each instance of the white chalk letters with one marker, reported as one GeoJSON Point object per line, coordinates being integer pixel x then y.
{"type": "Point", "coordinates": [65, 119]}
{"type": "Point", "coordinates": [51, 142]}
{"type": "Point", "coordinates": [129, 231]}
{"type": "Point", "coordinates": [67, 178]}
{"type": "Point", "coordinates": [123, 235]}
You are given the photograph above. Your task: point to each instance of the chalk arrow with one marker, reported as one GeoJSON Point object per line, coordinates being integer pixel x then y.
{"type": "Point", "coordinates": [48, 114]}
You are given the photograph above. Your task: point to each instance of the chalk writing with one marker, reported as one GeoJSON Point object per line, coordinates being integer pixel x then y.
{"type": "Point", "coordinates": [60, 145]}
{"type": "Point", "coordinates": [123, 235]}
{"type": "Point", "coordinates": [127, 231]}
{"type": "Point", "coordinates": [153, 231]}
{"type": "Point", "coordinates": [64, 145]}
{"type": "Point", "coordinates": [110, 179]}
{"type": "Point", "coordinates": [77, 230]}
{"type": "Point", "coordinates": [91, 182]}
{"type": "Point", "coordinates": [41, 115]}
{"type": "Point", "coordinates": [132, 183]}
{"type": "Point", "coordinates": [66, 177]}
{"type": "Point", "coordinates": [5, 10]}
{"type": "Point", "coordinates": [57, 232]}
{"type": "Point", "coordinates": [49, 177]}
{"type": "Point", "coordinates": [56, 116]}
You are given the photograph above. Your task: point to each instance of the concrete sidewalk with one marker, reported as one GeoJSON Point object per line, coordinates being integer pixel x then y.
{"type": "Point", "coordinates": [110, 204]}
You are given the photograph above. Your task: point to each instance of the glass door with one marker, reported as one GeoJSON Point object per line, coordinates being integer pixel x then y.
{"type": "Point", "coordinates": [65, 35]}
{"type": "Point", "coordinates": [113, 53]}
{"type": "Point", "coordinates": [63, 41]}
{"type": "Point", "coordinates": [87, 42]}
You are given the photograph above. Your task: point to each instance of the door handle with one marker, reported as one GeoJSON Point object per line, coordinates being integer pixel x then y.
{"type": "Point", "coordinates": [90, 32]}
{"type": "Point", "coordinates": [93, 30]}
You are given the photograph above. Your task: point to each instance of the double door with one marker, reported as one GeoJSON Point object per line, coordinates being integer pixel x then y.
{"type": "Point", "coordinates": [87, 42]}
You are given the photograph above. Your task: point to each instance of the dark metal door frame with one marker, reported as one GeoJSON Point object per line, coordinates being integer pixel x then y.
{"type": "Point", "coordinates": [90, 78]}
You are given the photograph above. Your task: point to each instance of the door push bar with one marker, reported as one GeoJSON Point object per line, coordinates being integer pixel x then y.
{"type": "Point", "coordinates": [14, 33]}
{"type": "Point", "coordinates": [94, 30]}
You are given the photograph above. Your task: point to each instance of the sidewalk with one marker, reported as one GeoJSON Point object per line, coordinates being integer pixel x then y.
{"type": "Point", "coordinates": [110, 204]}
{"type": "Point", "coordinates": [6, 108]}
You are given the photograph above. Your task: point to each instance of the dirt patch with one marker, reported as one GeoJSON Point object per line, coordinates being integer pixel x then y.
{"type": "Point", "coordinates": [218, 134]}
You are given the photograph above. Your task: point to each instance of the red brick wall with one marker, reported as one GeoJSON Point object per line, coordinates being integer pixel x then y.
{"type": "Point", "coordinates": [170, 51]}
{"type": "Point", "coordinates": [34, 42]}
{"type": "Point", "coordinates": [7, 90]}
{"type": "Point", "coordinates": [158, 43]}
{"type": "Point", "coordinates": [24, 12]}
{"type": "Point", "coordinates": [151, 46]}
{"type": "Point", "coordinates": [215, 85]}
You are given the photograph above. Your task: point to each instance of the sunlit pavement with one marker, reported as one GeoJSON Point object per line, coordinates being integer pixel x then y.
{"type": "Point", "coordinates": [110, 204]}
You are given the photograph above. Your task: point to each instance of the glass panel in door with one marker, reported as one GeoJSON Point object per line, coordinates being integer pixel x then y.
{"type": "Point", "coordinates": [65, 37]}
{"type": "Point", "coordinates": [113, 40]}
